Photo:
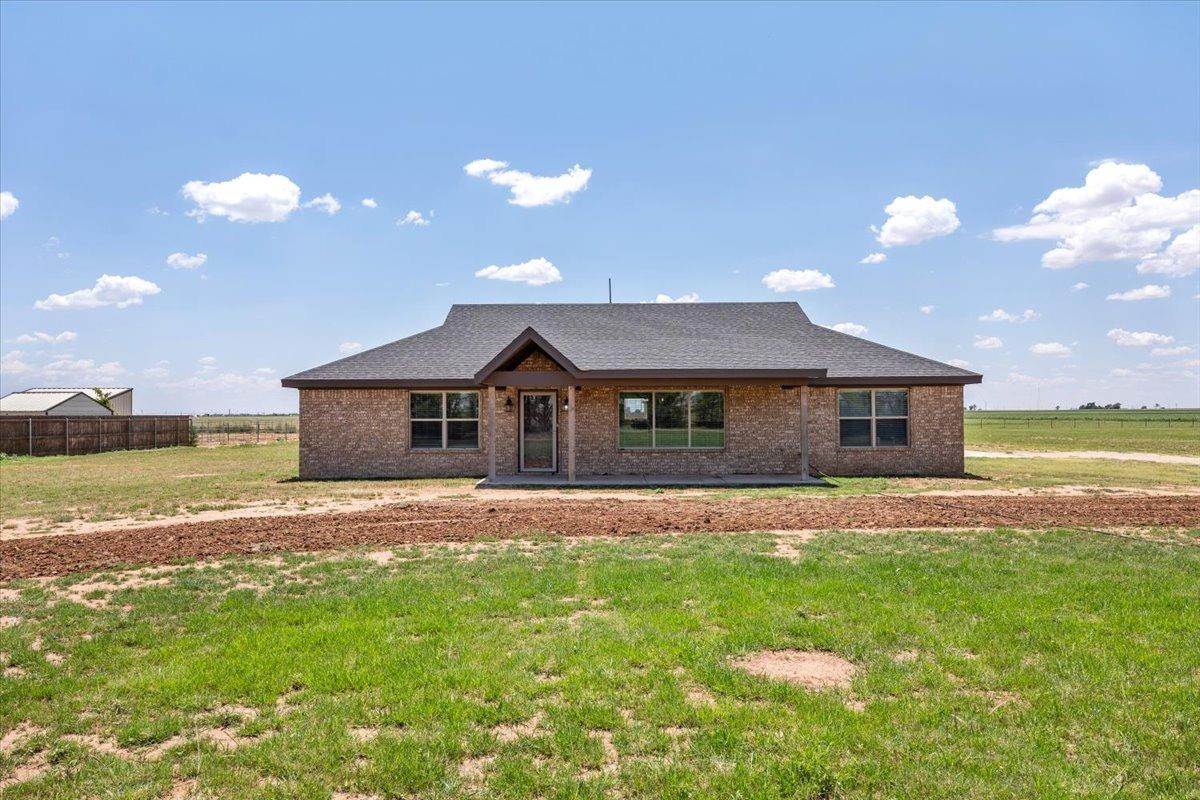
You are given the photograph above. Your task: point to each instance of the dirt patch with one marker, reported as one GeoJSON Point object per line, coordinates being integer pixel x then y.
{"type": "Point", "coordinates": [467, 521]}
{"type": "Point", "coordinates": [33, 768]}
{"type": "Point", "coordinates": [10, 741]}
{"type": "Point", "coordinates": [363, 733]}
{"type": "Point", "coordinates": [472, 769]}
{"type": "Point", "coordinates": [906, 656]}
{"type": "Point", "coordinates": [701, 697]}
{"type": "Point", "coordinates": [1113, 455]}
{"type": "Point", "coordinates": [10, 622]}
{"type": "Point", "coordinates": [182, 789]}
{"type": "Point", "coordinates": [812, 669]}
{"type": "Point", "coordinates": [520, 730]}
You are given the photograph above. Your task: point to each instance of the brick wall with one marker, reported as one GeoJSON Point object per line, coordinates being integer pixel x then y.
{"type": "Point", "coordinates": [364, 433]}
{"type": "Point", "coordinates": [762, 424]}
{"type": "Point", "coordinates": [935, 436]}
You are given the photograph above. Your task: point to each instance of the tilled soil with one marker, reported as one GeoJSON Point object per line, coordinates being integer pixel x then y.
{"type": "Point", "coordinates": [422, 522]}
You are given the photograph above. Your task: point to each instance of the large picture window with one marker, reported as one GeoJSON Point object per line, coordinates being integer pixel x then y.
{"type": "Point", "coordinates": [873, 417]}
{"type": "Point", "coordinates": [444, 420]}
{"type": "Point", "coordinates": [671, 420]}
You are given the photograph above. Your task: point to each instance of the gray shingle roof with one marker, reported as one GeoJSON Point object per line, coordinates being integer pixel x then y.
{"type": "Point", "coordinates": [627, 336]}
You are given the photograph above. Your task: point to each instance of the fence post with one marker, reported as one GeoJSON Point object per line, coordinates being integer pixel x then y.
{"type": "Point", "coordinates": [66, 436]}
{"type": "Point", "coordinates": [30, 421]}
{"type": "Point", "coordinates": [100, 433]}
{"type": "Point", "coordinates": [128, 434]}
{"type": "Point", "coordinates": [257, 426]}
{"type": "Point", "coordinates": [154, 434]}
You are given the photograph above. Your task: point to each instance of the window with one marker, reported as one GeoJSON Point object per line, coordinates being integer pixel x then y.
{"type": "Point", "coordinates": [671, 420]}
{"type": "Point", "coordinates": [444, 420]}
{"type": "Point", "coordinates": [873, 418]}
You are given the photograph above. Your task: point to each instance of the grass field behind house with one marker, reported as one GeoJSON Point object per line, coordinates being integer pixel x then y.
{"type": "Point", "coordinates": [1048, 664]}
{"type": "Point", "coordinates": [163, 483]}
{"type": "Point", "coordinates": [1150, 431]}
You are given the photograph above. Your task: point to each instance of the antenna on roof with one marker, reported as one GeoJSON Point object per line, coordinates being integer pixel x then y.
{"type": "Point", "coordinates": [610, 291]}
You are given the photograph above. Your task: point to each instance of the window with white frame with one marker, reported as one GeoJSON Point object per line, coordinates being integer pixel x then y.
{"type": "Point", "coordinates": [694, 420]}
{"type": "Point", "coordinates": [873, 417]}
{"type": "Point", "coordinates": [444, 420]}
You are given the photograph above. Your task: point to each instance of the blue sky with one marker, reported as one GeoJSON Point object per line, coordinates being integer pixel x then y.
{"type": "Point", "coordinates": [715, 144]}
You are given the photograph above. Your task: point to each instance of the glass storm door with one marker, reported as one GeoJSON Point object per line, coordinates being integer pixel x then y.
{"type": "Point", "coordinates": [538, 453]}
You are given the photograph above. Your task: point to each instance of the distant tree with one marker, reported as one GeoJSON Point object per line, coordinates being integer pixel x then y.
{"type": "Point", "coordinates": [972, 407]}
{"type": "Point", "coordinates": [103, 398]}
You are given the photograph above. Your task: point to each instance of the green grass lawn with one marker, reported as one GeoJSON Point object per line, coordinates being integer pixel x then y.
{"type": "Point", "coordinates": [1151, 431]}
{"type": "Point", "coordinates": [167, 482]}
{"type": "Point", "coordinates": [1047, 664]}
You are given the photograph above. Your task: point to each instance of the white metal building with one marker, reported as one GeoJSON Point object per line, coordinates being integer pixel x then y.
{"type": "Point", "coordinates": [46, 403]}
{"type": "Point", "coordinates": [120, 397]}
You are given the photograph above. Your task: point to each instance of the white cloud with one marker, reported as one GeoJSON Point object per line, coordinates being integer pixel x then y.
{"type": "Point", "coordinates": [797, 280]}
{"type": "Point", "coordinates": [961, 363]}
{"type": "Point", "coordinates": [326, 202]}
{"type": "Point", "coordinates": [851, 328]}
{"type": "Point", "coordinates": [535, 272]}
{"type": "Point", "coordinates": [264, 371]}
{"type": "Point", "coordinates": [988, 342]}
{"type": "Point", "coordinates": [156, 373]}
{"type": "Point", "coordinates": [413, 218]}
{"type": "Point", "coordinates": [369, 202]}
{"type": "Point", "coordinates": [912, 220]}
{"type": "Point", "coordinates": [690, 297]}
{"type": "Point", "coordinates": [1150, 291]}
{"type": "Point", "coordinates": [482, 166]}
{"type": "Point", "coordinates": [1000, 315]}
{"type": "Point", "coordinates": [530, 190]}
{"type": "Point", "coordinates": [1079, 287]}
{"type": "Point", "coordinates": [1181, 257]}
{"type": "Point", "coordinates": [11, 363]}
{"type": "Point", "coordinates": [155, 211]}
{"type": "Point", "coordinates": [1056, 349]}
{"type": "Point", "coordinates": [83, 371]}
{"type": "Point", "coordinates": [928, 309]}
{"type": "Point", "coordinates": [207, 364]}
{"type": "Point", "coordinates": [1126, 338]}
{"type": "Point", "coordinates": [46, 338]}
{"type": "Point", "coordinates": [8, 204]}
{"type": "Point", "coordinates": [110, 290]}
{"type": "Point", "coordinates": [250, 197]}
{"type": "Point", "coordinates": [1181, 350]}
{"type": "Point", "coordinates": [184, 261]}
{"type": "Point", "coordinates": [874, 258]}
{"type": "Point", "coordinates": [1116, 215]}
{"type": "Point", "coordinates": [347, 348]}
{"type": "Point", "coordinates": [1017, 377]}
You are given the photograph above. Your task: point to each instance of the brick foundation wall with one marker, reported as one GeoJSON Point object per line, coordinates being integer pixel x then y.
{"type": "Point", "coordinates": [362, 433]}
{"type": "Point", "coordinates": [935, 436]}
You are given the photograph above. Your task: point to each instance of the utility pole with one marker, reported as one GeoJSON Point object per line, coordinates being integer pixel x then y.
{"type": "Point", "coordinates": [610, 291]}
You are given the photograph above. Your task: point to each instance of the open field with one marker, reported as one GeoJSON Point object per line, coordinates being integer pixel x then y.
{"type": "Point", "coordinates": [154, 484]}
{"type": "Point", "coordinates": [998, 664]}
{"type": "Point", "coordinates": [1150, 431]}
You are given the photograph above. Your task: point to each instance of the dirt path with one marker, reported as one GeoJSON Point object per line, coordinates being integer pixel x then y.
{"type": "Point", "coordinates": [414, 523]}
{"type": "Point", "coordinates": [1157, 458]}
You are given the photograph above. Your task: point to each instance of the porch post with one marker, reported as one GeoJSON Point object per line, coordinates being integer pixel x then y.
{"type": "Point", "coordinates": [804, 431]}
{"type": "Point", "coordinates": [491, 433]}
{"type": "Point", "coordinates": [571, 433]}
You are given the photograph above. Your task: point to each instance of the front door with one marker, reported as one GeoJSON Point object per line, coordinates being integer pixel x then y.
{"type": "Point", "coordinates": [538, 429]}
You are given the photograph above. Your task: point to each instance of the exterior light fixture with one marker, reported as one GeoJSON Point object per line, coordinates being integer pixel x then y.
{"type": "Point", "coordinates": [508, 404]}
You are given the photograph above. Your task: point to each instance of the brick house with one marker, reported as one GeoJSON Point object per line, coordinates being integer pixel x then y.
{"type": "Point", "coordinates": [584, 390]}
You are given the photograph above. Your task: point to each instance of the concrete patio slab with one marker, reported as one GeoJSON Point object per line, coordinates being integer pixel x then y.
{"type": "Point", "coordinates": [647, 481]}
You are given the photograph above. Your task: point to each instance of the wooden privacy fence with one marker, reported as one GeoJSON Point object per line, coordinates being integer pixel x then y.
{"type": "Point", "coordinates": [69, 436]}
